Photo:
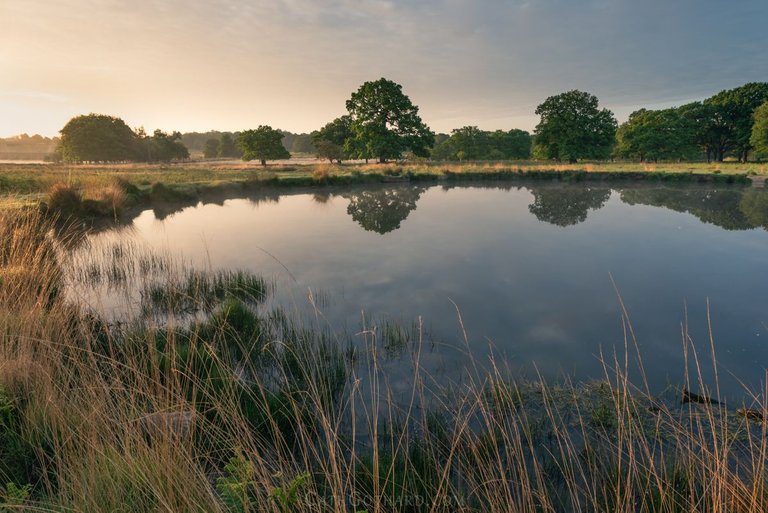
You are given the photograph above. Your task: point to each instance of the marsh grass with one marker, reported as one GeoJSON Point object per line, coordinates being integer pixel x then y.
{"type": "Point", "coordinates": [246, 410]}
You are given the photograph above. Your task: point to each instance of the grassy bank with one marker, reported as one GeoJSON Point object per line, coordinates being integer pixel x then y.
{"type": "Point", "coordinates": [30, 184]}
{"type": "Point", "coordinates": [208, 400]}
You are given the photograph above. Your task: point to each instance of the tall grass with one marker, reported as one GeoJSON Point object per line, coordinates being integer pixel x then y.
{"type": "Point", "coordinates": [246, 410]}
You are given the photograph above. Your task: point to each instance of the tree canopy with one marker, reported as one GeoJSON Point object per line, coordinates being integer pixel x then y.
{"type": "Point", "coordinates": [572, 127]}
{"type": "Point", "coordinates": [759, 136]}
{"type": "Point", "coordinates": [731, 117]}
{"type": "Point", "coordinates": [211, 148]}
{"type": "Point", "coordinates": [264, 143]}
{"type": "Point", "coordinates": [657, 134]}
{"type": "Point", "coordinates": [98, 138]}
{"type": "Point", "coordinates": [329, 141]}
{"type": "Point", "coordinates": [162, 147]}
{"type": "Point", "coordinates": [101, 138]}
{"type": "Point", "coordinates": [471, 143]}
{"type": "Point", "coordinates": [385, 124]}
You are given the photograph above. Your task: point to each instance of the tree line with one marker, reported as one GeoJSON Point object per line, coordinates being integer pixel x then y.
{"type": "Point", "coordinates": [101, 138]}
{"type": "Point", "coordinates": [383, 124]}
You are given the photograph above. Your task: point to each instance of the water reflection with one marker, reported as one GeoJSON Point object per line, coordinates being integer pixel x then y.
{"type": "Point", "coordinates": [382, 210]}
{"type": "Point", "coordinates": [536, 293]}
{"type": "Point", "coordinates": [721, 207]}
{"type": "Point", "coordinates": [566, 206]}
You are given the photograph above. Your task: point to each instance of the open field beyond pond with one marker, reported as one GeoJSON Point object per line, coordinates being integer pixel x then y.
{"type": "Point", "coordinates": [28, 184]}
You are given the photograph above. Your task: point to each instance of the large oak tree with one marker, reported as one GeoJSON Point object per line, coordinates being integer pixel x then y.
{"type": "Point", "coordinates": [385, 123]}
{"type": "Point", "coordinates": [572, 127]}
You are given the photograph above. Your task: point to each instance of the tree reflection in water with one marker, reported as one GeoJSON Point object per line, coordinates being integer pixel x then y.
{"type": "Point", "coordinates": [568, 205]}
{"type": "Point", "coordinates": [382, 210]}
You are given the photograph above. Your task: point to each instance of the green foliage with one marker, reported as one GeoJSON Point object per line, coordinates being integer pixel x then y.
{"type": "Point", "coordinates": [759, 136]}
{"type": "Point", "coordinates": [162, 147]}
{"type": "Point", "coordinates": [657, 134]}
{"type": "Point", "coordinates": [287, 496]}
{"type": "Point", "coordinates": [264, 143]}
{"type": "Point", "coordinates": [97, 138]}
{"type": "Point", "coordinates": [211, 149]}
{"type": "Point", "coordinates": [385, 123]}
{"type": "Point", "coordinates": [471, 143]}
{"type": "Point", "coordinates": [237, 489]}
{"type": "Point", "coordinates": [572, 127]}
{"type": "Point", "coordinates": [100, 138]}
{"type": "Point", "coordinates": [731, 117]}
{"type": "Point", "coordinates": [330, 140]}
{"type": "Point", "coordinates": [227, 147]}
{"type": "Point", "coordinates": [14, 497]}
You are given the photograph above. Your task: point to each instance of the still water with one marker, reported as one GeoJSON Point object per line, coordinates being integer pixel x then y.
{"type": "Point", "coordinates": [533, 274]}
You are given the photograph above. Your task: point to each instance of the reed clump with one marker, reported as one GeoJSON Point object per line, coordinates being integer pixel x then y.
{"type": "Point", "coordinates": [240, 408]}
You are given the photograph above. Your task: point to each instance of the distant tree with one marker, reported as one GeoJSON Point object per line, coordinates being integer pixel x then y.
{"type": "Point", "coordinates": [211, 149]}
{"type": "Point", "coordinates": [572, 127]}
{"type": "Point", "coordinates": [264, 143]}
{"type": "Point", "coordinates": [329, 141]}
{"type": "Point", "coordinates": [470, 143]}
{"type": "Point", "coordinates": [759, 137]}
{"type": "Point", "coordinates": [302, 143]}
{"type": "Point", "coordinates": [98, 138]}
{"type": "Point", "coordinates": [442, 150]}
{"type": "Point", "coordinates": [657, 134]}
{"type": "Point", "coordinates": [227, 147]}
{"type": "Point", "coordinates": [385, 123]}
{"type": "Point", "coordinates": [328, 150]}
{"type": "Point", "coordinates": [514, 144]}
{"type": "Point", "coordinates": [163, 147]}
{"type": "Point", "coordinates": [732, 117]}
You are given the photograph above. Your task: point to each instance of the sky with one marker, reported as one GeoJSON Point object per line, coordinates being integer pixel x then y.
{"type": "Point", "coordinates": [199, 65]}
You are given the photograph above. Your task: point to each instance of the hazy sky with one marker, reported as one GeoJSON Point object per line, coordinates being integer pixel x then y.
{"type": "Point", "coordinates": [231, 65]}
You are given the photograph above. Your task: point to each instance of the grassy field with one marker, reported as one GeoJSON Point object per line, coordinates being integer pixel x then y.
{"type": "Point", "coordinates": [27, 184]}
{"type": "Point", "coordinates": [241, 409]}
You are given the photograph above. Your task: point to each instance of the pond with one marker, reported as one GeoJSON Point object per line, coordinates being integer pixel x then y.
{"type": "Point", "coordinates": [532, 274]}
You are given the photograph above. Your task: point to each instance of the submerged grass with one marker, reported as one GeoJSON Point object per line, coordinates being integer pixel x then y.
{"type": "Point", "coordinates": [246, 410]}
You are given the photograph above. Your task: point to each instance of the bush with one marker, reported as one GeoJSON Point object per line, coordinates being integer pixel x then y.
{"type": "Point", "coordinates": [64, 200]}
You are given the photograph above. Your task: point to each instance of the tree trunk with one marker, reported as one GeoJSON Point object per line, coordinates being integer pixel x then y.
{"type": "Point", "coordinates": [263, 162]}
{"type": "Point", "coordinates": [382, 160]}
